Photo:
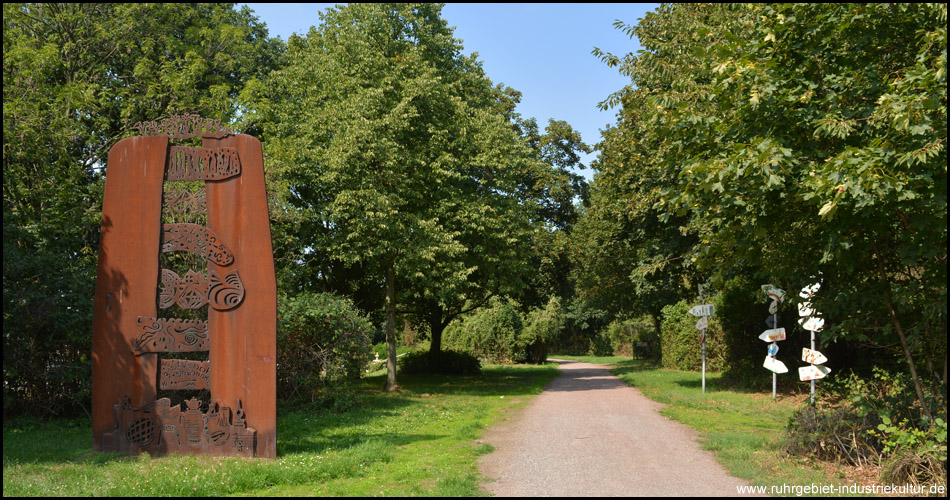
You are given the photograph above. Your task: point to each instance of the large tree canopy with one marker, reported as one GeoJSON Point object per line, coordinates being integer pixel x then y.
{"type": "Point", "coordinates": [400, 165]}
{"type": "Point", "coordinates": [76, 77]}
{"type": "Point", "coordinates": [804, 141]}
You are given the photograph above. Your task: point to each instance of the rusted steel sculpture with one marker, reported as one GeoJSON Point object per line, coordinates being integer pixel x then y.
{"type": "Point", "coordinates": [133, 346]}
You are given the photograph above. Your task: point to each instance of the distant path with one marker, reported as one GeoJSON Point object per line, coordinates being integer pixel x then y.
{"type": "Point", "coordinates": [590, 434]}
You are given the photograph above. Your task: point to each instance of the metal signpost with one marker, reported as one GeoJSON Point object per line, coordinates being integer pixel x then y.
{"type": "Point", "coordinates": [773, 335]}
{"type": "Point", "coordinates": [812, 323]}
{"type": "Point", "coordinates": [703, 311]}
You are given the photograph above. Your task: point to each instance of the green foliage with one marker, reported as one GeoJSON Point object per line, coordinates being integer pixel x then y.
{"type": "Point", "coordinates": [323, 343]}
{"type": "Point", "coordinates": [446, 362]}
{"type": "Point", "coordinates": [493, 333]}
{"type": "Point", "coordinates": [582, 324]}
{"type": "Point", "coordinates": [834, 434]}
{"type": "Point", "coordinates": [76, 78]}
{"type": "Point", "coordinates": [873, 420]}
{"type": "Point", "coordinates": [399, 165]}
{"type": "Point", "coordinates": [681, 348]}
{"type": "Point", "coordinates": [792, 143]}
{"type": "Point", "coordinates": [542, 327]}
{"type": "Point", "coordinates": [741, 309]}
{"type": "Point", "coordinates": [902, 426]}
{"type": "Point", "coordinates": [415, 442]}
{"type": "Point", "coordinates": [627, 338]}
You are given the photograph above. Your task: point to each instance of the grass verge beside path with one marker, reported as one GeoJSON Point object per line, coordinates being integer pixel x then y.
{"type": "Point", "coordinates": [416, 442]}
{"type": "Point", "coordinates": [744, 429]}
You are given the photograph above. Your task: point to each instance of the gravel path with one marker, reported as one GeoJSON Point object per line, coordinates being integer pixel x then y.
{"type": "Point", "coordinates": [590, 434]}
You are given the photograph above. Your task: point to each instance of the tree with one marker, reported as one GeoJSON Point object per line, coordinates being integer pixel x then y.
{"type": "Point", "coordinates": [76, 77]}
{"type": "Point", "coordinates": [397, 162]}
{"type": "Point", "coordinates": [632, 253]}
{"type": "Point", "coordinates": [560, 193]}
{"type": "Point", "coordinates": [808, 142]}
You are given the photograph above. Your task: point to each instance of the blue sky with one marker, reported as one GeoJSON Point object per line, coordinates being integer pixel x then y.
{"type": "Point", "coordinates": [541, 50]}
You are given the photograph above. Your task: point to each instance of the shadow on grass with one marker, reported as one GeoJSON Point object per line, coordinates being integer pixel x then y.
{"type": "Point", "coordinates": [53, 442]}
{"type": "Point", "coordinates": [303, 431]}
{"type": "Point", "coordinates": [300, 430]}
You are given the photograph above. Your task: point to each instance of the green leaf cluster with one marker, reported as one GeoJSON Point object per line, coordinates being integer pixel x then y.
{"type": "Point", "coordinates": [399, 161]}
{"type": "Point", "coordinates": [791, 143]}
{"type": "Point", "coordinates": [76, 77]}
{"type": "Point", "coordinates": [323, 343]}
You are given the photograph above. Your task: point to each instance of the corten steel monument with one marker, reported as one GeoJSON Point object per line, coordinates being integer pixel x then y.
{"type": "Point", "coordinates": [134, 347]}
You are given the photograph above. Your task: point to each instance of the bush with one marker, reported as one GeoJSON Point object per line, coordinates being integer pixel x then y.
{"type": "Point", "coordinates": [323, 343]}
{"type": "Point", "coordinates": [543, 327]}
{"type": "Point", "coordinates": [624, 335]}
{"type": "Point", "coordinates": [447, 362]}
{"type": "Point", "coordinates": [599, 345]}
{"type": "Point", "coordinates": [680, 340]}
{"type": "Point", "coordinates": [873, 420]}
{"type": "Point", "coordinates": [47, 324]}
{"type": "Point", "coordinates": [834, 434]}
{"type": "Point", "coordinates": [493, 333]}
{"type": "Point", "coordinates": [741, 310]}
{"type": "Point", "coordinates": [582, 322]}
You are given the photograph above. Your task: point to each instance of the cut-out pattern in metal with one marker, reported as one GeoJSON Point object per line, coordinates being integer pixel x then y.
{"type": "Point", "coordinates": [152, 182]}
{"type": "Point", "coordinates": [227, 294]}
{"type": "Point", "coordinates": [195, 164]}
{"type": "Point", "coordinates": [184, 127]}
{"type": "Point", "coordinates": [160, 428]}
{"type": "Point", "coordinates": [196, 239]}
{"type": "Point", "coordinates": [181, 201]}
{"type": "Point", "coordinates": [170, 335]}
{"type": "Point", "coordinates": [180, 374]}
{"type": "Point", "coordinates": [194, 290]}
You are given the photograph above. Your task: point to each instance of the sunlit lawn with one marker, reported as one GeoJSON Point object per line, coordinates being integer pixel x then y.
{"type": "Point", "coordinates": [421, 441]}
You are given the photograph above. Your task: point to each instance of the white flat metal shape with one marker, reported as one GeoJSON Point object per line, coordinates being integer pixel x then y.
{"type": "Point", "coordinates": [774, 292]}
{"type": "Point", "coordinates": [812, 356]}
{"type": "Point", "coordinates": [813, 372]}
{"type": "Point", "coordinates": [703, 310]}
{"type": "Point", "coordinates": [702, 323]}
{"type": "Point", "coordinates": [812, 324]}
{"type": "Point", "coordinates": [809, 291]}
{"type": "Point", "coordinates": [773, 365]}
{"type": "Point", "coordinates": [773, 335]}
{"type": "Point", "coordinates": [805, 309]}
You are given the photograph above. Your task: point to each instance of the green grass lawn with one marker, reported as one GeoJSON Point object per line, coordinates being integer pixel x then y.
{"type": "Point", "coordinates": [744, 429]}
{"type": "Point", "coordinates": [421, 441]}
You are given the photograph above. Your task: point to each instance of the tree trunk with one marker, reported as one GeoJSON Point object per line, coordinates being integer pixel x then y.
{"type": "Point", "coordinates": [900, 333]}
{"type": "Point", "coordinates": [435, 333]}
{"type": "Point", "coordinates": [390, 331]}
{"type": "Point", "coordinates": [910, 363]}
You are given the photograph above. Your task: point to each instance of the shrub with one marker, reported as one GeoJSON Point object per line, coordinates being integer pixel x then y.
{"type": "Point", "coordinates": [599, 345]}
{"type": "Point", "coordinates": [741, 310]}
{"type": "Point", "coordinates": [323, 343]}
{"type": "Point", "coordinates": [873, 420]}
{"type": "Point", "coordinates": [680, 340]}
{"type": "Point", "coordinates": [624, 335]}
{"type": "Point", "coordinates": [582, 322]}
{"type": "Point", "coordinates": [447, 362]}
{"type": "Point", "coordinates": [543, 327]}
{"type": "Point", "coordinates": [493, 333]}
{"type": "Point", "coordinates": [833, 434]}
